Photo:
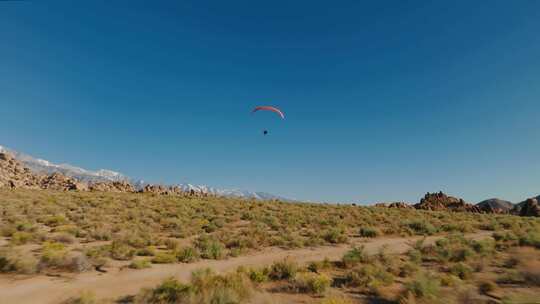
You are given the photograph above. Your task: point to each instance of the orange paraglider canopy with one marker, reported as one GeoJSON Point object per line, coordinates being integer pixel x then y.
{"type": "Point", "coordinates": [269, 108]}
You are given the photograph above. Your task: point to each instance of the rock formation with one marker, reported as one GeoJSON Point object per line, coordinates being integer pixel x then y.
{"type": "Point", "coordinates": [442, 202]}
{"type": "Point", "coordinates": [529, 207]}
{"type": "Point", "coordinates": [495, 205]}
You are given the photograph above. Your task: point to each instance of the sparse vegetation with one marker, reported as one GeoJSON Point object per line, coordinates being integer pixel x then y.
{"type": "Point", "coordinates": [53, 232]}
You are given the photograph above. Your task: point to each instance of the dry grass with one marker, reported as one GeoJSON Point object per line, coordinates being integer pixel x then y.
{"type": "Point", "coordinates": [168, 229]}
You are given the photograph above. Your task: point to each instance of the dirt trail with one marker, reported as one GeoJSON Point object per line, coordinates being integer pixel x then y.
{"type": "Point", "coordinates": [117, 283]}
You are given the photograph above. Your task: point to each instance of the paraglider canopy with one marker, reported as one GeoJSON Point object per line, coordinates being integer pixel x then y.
{"type": "Point", "coordinates": [269, 108]}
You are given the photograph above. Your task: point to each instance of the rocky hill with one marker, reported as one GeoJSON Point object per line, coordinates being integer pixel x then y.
{"type": "Point", "coordinates": [14, 175]}
{"type": "Point", "coordinates": [442, 202]}
{"type": "Point", "coordinates": [529, 207]}
{"type": "Point", "coordinates": [495, 205]}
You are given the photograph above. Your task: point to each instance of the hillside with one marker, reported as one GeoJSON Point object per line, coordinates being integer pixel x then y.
{"type": "Point", "coordinates": [495, 205]}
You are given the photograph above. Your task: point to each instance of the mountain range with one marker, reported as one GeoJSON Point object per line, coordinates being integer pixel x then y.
{"type": "Point", "coordinates": [39, 165]}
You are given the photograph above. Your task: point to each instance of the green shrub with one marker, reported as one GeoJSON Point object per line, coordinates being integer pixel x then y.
{"type": "Point", "coordinates": [408, 269]}
{"type": "Point", "coordinates": [55, 220]}
{"type": "Point", "coordinates": [53, 255]}
{"type": "Point", "coordinates": [424, 285]}
{"type": "Point", "coordinates": [369, 276]}
{"type": "Point", "coordinates": [320, 265]}
{"type": "Point", "coordinates": [369, 232]}
{"type": "Point", "coordinates": [86, 297]}
{"type": "Point", "coordinates": [336, 300]}
{"type": "Point", "coordinates": [461, 270]}
{"type": "Point", "coordinates": [531, 238]}
{"type": "Point", "coordinates": [170, 291]}
{"type": "Point", "coordinates": [140, 264]}
{"type": "Point", "coordinates": [354, 257]}
{"type": "Point", "coordinates": [258, 275]}
{"type": "Point", "coordinates": [422, 227]}
{"type": "Point", "coordinates": [147, 251]}
{"type": "Point", "coordinates": [209, 247]}
{"type": "Point", "coordinates": [164, 258]}
{"type": "Point", "coordinates": [311, 282]}
{"type": "Point", "coordinates": [121, 251]}
{"type": "Point", "coordinates": [486, 287]}
{"type": "Point", "coordinates": [14, 261]}
{"type": "Point", "coordinates": [283, 270]}
{"type": "Point", "coordinates": [335, 236]}
{"type": "Point", "coordinates": [21, 237]}
{"type": "Point", "coordinates": [187, 255]}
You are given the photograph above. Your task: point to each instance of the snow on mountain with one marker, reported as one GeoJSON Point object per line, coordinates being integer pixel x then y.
{"type": "Point", "coordinates": [44, 166]}
{"type": "Point", "coordinates": [104, 175]}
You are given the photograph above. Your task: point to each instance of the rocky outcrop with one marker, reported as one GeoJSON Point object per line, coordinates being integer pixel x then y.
{"type": "Point", "coordinates": [60, 182]}
{"type": "Point", "coordinates": [14, 175]}
{"type": "Point", "coordinates": [398, 205]}
{"type": "Point", "coordinates": [495, 205]}
{"type": "Point", "coordinates": [119, 186]}
{"type": "Point", "coordinates": [529, 207]}
{"type": "Point", "coordinates": [442, 202]}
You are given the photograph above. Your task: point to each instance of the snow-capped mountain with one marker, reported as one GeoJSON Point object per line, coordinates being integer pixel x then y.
{"type": "Point", "coordinates": [103, 175]}
{"type": "Point", "coordinates": [44, 166]}
{"type": "Point", "coordinates": [231, 192]}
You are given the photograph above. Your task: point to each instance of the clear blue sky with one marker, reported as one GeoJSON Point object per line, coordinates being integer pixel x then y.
{"type": "Point", "coordinates": [384, 101]}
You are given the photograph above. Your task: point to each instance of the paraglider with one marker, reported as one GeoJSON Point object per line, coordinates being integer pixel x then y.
{"type": "Point", "coordinates": [271, 109]}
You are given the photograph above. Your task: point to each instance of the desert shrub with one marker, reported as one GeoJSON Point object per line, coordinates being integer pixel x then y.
{"type": "Point", "coordinates": [283, 270]}
{"type": "Point", "coordinates": [369, 232]}
{"type": "Point", "coordinates": [209, 247]}
{"type": "Point", "coordinates": [121, 251]}
{"type": "Point", "coordinates": [531, 238]}
{"type": "Point", "coordinates": [14, 261]}
{"type": "Point", "coordinates": [336, 300]}
{"type": "Point", "coordinates": [53, 255]}
{"type": "Point", "coordinates": [21, 237]}
{"type": "Point", "coordinates": [319, 265]}
{"type": "Point", "coordinates": [424, 285]}
{"type": "Point", "coordinates": [140, 264]}
{"type": "Point", "coordinates": [484, 247]}
{"type": "Point", "coordinates": [354, 257]}
{"type": "Point", "coordinates": [258, 275]}
{"type": "Point", "coordinates": [422, 227]}
{"type": "Point", "coordinates": [170, 291]}
{"type": "Point", "coordinates": [164, 258]}
{"type": "Point", "coordinates": [65, 238]}
{"type": "Point", "coordinates": [78, 262]}
{"type": "Point", "coordinates": [511, 277]}
{"type": "Point", "coordinates": [531, 276]}
{"type": "Point", "coordinates": [485, 287]}
{"type": "Point", "coordinates": [172, 244]}
{"type": "Point", "coordinates": [461, 270]}
{"type": "Point", "coordinates": [335, 236]}
{"type": "Point", "coordinates": [369, 276]}
{"type": "Point", "coordinates": [212, 288]}
{"type": "Point", "coordinates": [415, 256]}
{"type": "Point", "coordinates": [147, 251]}
{"type": "Point", "coordinates": [311, 282]}
{"type": "Point", "coordinates": [187, 255]}
{"type": "Point", "coordinates": [86, 297]}
{"type": "Point", "coordinates": [100, 234]}
{"type": "Point", "coordinates": [55, 220]}
{"type": "Point", "coordinates": [408, 269]}
{"type": "Point", "coordinates": [449, 280]}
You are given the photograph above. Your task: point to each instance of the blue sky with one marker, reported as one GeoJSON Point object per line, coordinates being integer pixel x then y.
{"type": "Point", "coordinates": [384, 101]}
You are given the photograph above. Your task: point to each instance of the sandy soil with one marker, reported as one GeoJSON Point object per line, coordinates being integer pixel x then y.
{"type": "Point", "coordinates": [117, 283]}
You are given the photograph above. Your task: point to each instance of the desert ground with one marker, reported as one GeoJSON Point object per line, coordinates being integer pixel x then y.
{"type": "Point", "coordinates": [105, 247]}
